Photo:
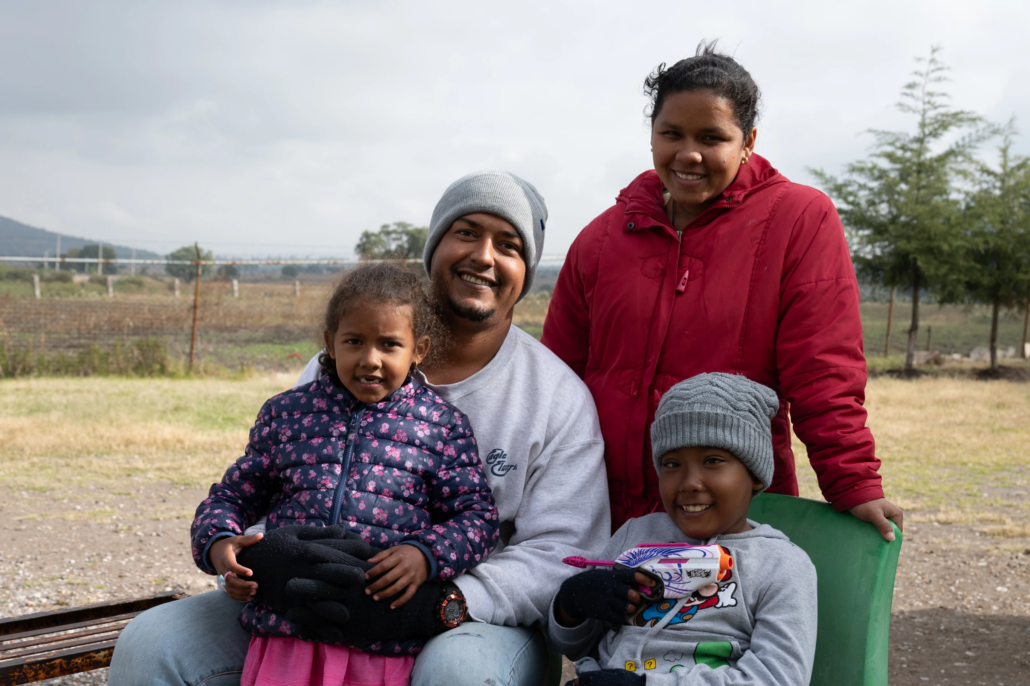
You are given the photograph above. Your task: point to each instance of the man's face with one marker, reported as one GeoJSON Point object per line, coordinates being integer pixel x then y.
{"type": "Point", "coordinates": [478, 269]}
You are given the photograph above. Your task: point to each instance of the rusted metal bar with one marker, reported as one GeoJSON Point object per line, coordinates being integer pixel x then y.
{"type": "Point", "coordinates": [67, 627]}
{"type": "Point", "coordinates": [18, 643]}
{"type": "Point", "coordinates": [71, 661]}
{"type": "Point", "coordinates": [61, 618]}
{"type": "Point", "coordinates": [41, 648]}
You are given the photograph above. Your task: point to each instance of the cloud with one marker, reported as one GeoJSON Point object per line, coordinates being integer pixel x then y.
{"type": "Point", "coordinates": [262, 126]}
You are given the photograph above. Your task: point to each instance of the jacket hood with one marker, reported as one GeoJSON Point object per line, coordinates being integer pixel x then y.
{"type": "Point", "coordinates": [644, 194]}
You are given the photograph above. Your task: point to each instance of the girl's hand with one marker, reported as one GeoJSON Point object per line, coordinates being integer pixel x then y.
{"type": "Point", "coordinates": [223, 558]}
{"type": "Point", "coordinates": [400, 568]}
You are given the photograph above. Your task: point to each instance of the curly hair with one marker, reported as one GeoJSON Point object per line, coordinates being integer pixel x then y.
{"type": "Point", "coordinates": [381, 283]}
{"type": "Point", "coordinates": [711, 71]}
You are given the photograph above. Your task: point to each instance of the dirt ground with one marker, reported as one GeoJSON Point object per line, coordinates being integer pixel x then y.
{"type": "Point", "coordinates": [961, 603]}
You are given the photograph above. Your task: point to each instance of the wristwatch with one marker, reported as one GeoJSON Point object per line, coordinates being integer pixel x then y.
{"type": "Point", "coordinates": [450, 610]}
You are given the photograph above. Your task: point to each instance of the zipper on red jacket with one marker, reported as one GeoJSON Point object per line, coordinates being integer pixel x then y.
{"type": "Point", "coordinates": [348, 453]}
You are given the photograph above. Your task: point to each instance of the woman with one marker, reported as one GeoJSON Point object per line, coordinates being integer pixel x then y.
{"type": "Point", "coordinates": [715, 262]}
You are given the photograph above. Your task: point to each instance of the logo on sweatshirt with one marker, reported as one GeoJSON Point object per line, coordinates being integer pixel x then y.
{"type": "Point", "coordinates": [496, 461]}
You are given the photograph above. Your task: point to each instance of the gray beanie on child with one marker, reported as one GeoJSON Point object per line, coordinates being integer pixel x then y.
{"type": "Point", "coordinates": [718, 410]}
{"type": "Point", "coordinates": [499, 193]}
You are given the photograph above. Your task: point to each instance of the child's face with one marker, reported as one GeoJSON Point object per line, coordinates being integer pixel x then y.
{"type": "Point", "coordinates": [706, 491]}
{"type": "Point", "coordinates": [373, 348]}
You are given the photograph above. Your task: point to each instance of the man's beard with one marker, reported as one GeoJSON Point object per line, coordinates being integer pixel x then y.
{"type": "Point", "coordinates": [473, 313]}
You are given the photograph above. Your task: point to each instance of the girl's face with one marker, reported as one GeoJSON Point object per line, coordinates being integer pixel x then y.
{"type": "Point", "coordinates": [374, 347]}
{"type": "Point", "coordinates": [697, 148]}
{"type": "Point", "coordinates": [706, 491]}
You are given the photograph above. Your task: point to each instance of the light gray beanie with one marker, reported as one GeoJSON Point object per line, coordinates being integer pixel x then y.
{"type": "Point", "coordinates": [718, 410]}
{"type": "Point", "coordinates": [499, 193]}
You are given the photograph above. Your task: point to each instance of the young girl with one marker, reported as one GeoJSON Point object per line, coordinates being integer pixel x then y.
{"type": "Point", "coordinates": [367, 447]}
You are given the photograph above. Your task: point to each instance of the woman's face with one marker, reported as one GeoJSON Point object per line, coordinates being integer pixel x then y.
{"type": "Point", "coordinates": [697, 148]}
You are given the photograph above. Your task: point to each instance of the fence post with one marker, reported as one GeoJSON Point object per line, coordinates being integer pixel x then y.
{"type": "Point", "coordinates": [57, 264]}
{"type": "Point", "coordinates": [1026, 325]}
{"type": "Point", "coordinates": [35, 285]}
{"type": "Point", "coordinates": [100, 256]}
{"type": "Point", "coordinates": [296, 288]}
{"type": "Point", "coordinates": [175, 286]}
{"type": "Point", "coordinates": [929, 332]}
{"type": "Point", "coordinates": [110, 286]}
{"type": "Point", "coordinates": [196, 306]}
{"type": "Point", "coordinates": [890, 317]}
{"type": "Point", "coordinates": [235, 288]}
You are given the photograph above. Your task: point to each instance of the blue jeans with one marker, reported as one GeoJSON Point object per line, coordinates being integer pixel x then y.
{"type": "Point", "coordinates": [198, 640]}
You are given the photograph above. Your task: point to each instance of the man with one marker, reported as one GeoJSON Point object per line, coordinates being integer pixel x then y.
{"type": "Point", "coordinates": [539, 440]}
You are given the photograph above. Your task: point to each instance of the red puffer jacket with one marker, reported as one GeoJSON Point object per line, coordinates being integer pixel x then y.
{"type": "Point", "coordinates": [761, 284]}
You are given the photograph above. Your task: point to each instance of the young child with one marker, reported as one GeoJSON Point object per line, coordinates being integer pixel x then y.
{"type": "Point", "coordinates": [757, 625]}
{"type": "Point", "coordinates": [367, 447]}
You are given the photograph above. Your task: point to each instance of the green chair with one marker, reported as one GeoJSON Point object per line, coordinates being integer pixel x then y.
{"type": "Point", "coordinates": [856, 570]}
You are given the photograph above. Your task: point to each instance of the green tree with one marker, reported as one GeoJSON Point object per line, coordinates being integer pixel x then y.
{"type": "Point", "coordinates": [999, 209]}
{"type": "Point", "coordinates": [290, 271]}
{"type": "Point", "coordinates": [901, 206]}
{"type": "Point", "coordinates": [90, 251]}
{"type": "Point", "coordinates": [227, 272]}
{"type": "Point", "coordinates": [397, 240]}
{"type": "Point", "coordinates": [187, 272]}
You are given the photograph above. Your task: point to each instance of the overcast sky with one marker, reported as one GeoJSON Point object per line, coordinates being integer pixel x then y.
{"type": "Point", "coordinates": [288, 128]}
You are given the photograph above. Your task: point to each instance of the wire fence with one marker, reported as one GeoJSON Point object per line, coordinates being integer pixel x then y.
{"type": "Point", "coordinates": [56, 322]}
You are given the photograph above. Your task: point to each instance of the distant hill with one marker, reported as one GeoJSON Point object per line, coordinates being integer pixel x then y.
{"type": "Point", "coordinates": [21, 240]}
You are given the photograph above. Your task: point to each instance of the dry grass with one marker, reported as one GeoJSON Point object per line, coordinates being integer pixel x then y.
{"type": "Point", "coordinates": [956, 450]}
{"type": "Point", "coordinates": [106, 430]}
{"type": "Point", "coordinates": [953, 450]}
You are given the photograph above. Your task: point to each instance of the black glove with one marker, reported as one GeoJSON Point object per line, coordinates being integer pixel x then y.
{"type": "Point", "coordinates": [283, 555]}
{"type": "Point", "coordinates": [597, 594]}
{"type": "Point", "coordinates": [331, 607]}
{"type": "Point", "coordinates": [610, 677]}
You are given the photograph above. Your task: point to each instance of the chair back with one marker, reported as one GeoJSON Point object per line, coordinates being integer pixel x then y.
{"type": "Point", "coordinates": [856, 569]}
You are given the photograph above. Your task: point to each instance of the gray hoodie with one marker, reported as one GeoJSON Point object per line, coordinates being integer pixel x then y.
{"type": "Point", "coordinates": [759, 627]}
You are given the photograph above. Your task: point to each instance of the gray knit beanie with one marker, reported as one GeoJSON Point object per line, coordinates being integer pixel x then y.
{"type": "Point", "coordinates": [499, 193]}
{"type": "Point", "coordinates": [718, 410]}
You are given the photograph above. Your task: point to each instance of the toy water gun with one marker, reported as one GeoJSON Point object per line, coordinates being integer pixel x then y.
{"type": "Point", "coordinates": [678, 569]}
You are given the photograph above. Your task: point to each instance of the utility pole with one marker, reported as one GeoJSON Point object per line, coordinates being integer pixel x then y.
{"type": "Point", "coordinates": [57, 266]}
{"type": "Point", "coordinates": [100, 254]}
{"type": "Point", "coordinates": [196, 306]}
{"type": "Point", "coordinates": [132, 269]}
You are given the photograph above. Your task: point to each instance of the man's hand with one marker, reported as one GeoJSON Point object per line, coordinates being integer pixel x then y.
{"type": "Point", "coordinates": [400, 568]}
{"type": "Point", "coordinates": [222, 554]}
{"type": "Point", "coordinates": [878, 512]}
{"type": "Point", "coordinates": [604, 594]}
{"type": "Point", "coordinates": [286, 553]}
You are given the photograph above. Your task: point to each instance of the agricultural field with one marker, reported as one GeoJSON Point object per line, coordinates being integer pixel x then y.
{"type": "Point", "coordinates": [99, 478]}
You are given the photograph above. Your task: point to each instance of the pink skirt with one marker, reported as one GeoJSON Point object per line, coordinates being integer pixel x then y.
{"type": "Point", "coordinates": [275, 661]}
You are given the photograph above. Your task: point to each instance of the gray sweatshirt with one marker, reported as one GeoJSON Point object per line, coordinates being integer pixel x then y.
{"type": "Point", "coordinates": [759, 627]}
{"type": "Point", "coordinates": [540, 442]}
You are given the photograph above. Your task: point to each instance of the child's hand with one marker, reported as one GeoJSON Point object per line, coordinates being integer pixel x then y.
{"type": "Point", "coordinates": [400, 568]}
{"type": "Point", "coordinates": [604, 594]}
{"type": "Point", "coordinates": [223, 558]}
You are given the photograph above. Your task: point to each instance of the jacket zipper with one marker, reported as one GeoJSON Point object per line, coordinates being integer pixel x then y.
{"type": "Point", "coordinates": [348, 452]}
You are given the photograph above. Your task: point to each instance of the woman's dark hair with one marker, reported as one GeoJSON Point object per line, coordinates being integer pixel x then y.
{"type": "Point", "coordinates": [707, 70]}
{"type": "Point", "coordinates": [382, 283]}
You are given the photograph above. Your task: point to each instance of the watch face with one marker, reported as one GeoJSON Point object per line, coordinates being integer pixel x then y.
{"type": "Point", "coordinates": [452, 611]}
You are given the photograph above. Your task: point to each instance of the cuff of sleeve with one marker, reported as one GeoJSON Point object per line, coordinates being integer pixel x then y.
{"type": "Point", "coordinates": [569, 640]}
{"type": "Point", "coordinates": [430, 558]}
{"type": "Point", "coordinates": [207, 566]}
{"type": "Point", "coordinates": [477, 601]}
{"type": "Point", "coordinates": [857, 497]}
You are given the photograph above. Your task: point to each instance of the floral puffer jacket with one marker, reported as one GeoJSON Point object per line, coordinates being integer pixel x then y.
{"type": "Point", "coordinates": [413, 476]}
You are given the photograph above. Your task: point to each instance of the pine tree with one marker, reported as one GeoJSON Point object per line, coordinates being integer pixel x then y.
{"type": "Point", "coordinates": [902, 207]}
{"type": "Point", "coordinates": [999, 210]}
